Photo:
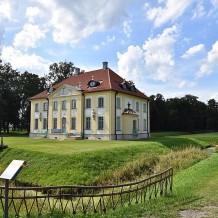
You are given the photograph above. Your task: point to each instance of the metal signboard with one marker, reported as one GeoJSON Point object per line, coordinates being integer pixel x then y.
{"type": "Point", "coordinates": [13, 169]}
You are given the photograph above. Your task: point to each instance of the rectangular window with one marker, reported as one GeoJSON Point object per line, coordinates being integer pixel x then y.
{"type": "Point", "coordinates": [55, 123]}
{"type": "Point", "coordinates": [88, 122]}
{"type": "Point", "coordinates": [64, 105]}
{"type": "Point", "coordinates": [144, 107]}
{"type": "Point", "coordinates": [73, 123]}
{"type": "Point", "coordinates": [118, 126]}
{"type": "Point", "coordinates": [36, 107]}
{"type": "Point", "coordinates": [45, 106]}
{"type": "Point", "coordinates": [118, 103]}
{"type": "Point", "coordinates": [137, 106]}
{"type": "Point", "coordinates": [44, 123]}
{"type": "Point", "coordinates": [36, 123]}
{"type": "Point", "coordinates": [55, 105]}
{"type": "Point", "coordinates": [100, 122]}
{"type": "Point", "coordinates": [73, 103]}
{"type": "Point", "coordinates": [144, 124]}
{"type": "Point", "coordinates": [88, 103]}
{"type": "Point", "coordinates": [101, 102]}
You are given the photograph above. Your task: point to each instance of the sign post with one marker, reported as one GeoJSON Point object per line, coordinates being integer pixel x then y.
{"type": "Point", "coordinates": [10, 173]}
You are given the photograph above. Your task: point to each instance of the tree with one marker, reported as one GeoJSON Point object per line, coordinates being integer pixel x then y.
{"type": "Point", "coordinates": [30, 85]}
{"type": "Point", "coordinates": [158, 113]}
{"type": "Point", "coordinates": [212, 115]}
{"type": "Point", "coordinates": [9, 97]}
{"type": "Point", "coordinates": [59, 72]}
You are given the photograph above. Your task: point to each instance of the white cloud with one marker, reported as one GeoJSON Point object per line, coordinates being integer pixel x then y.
{"type": "Point", "coordinates": [194, 50]}
{"type": "Point", "coordinates": [169, 12]}
{"type": "Point", "coordinates": [108, 40]}
{"type": "Point", "coordinates": [159, 54]}
{"type": "Point", "coordinates": [131, 63]}
{"type": "Point", "coordinates": [28, 37]}
{"type": "Point", "coordinates": [185, 84]}
{"type": "Point", "coordinates": [155, 60]}
{"type": "Point", "coordinates": [32, 13]}
{"type": "Point", "coordinates": [23, 61]}
{"type": "Point", "coordinates": [6, 9]}
{"type": "Point", "coordinates": [214, 3]}
{"type": "Point", "coordinates": [199, 11]}
{"type": "Point", "coordinates": [70, 21]}
{"type": "Point", "coordinates": [210, 63]}
{"type": "Point", "coordinates": [127, 28]}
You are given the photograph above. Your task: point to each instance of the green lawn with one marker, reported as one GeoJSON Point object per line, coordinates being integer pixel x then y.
{"type": "Point", "coordinates": [54, 162]}
{"type": "Point", "coordinates": [168, 140]}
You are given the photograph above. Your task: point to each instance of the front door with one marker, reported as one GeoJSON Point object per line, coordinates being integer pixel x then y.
{"type": "Point", "coordinates": [134, 128]}
{"type": "Point", "coordinates": [134, 125]}
{"type": "Point", "coordinates": [64, 121]}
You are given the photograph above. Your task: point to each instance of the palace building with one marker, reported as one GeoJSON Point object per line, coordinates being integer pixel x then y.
{"type": "Point", "coordinates": [98, 104]}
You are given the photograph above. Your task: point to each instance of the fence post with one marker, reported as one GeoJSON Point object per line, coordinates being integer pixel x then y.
{"type": "Point", "coordinates": [6, 198]}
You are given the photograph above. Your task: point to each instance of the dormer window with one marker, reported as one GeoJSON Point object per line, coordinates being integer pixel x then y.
{"type": "Point", "coordinates": [93, 83]}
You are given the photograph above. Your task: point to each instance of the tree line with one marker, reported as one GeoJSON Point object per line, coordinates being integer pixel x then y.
{"type": "Point", "coordinates": [183, 114]}
{"type": "Point", "coordinates": [16, 88]}
{"type": "Point", "coordinates": [174, 114]}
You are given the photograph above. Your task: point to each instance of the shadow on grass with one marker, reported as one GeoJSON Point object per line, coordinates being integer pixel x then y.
{"type": "Point", "coordinates": [176, 143]}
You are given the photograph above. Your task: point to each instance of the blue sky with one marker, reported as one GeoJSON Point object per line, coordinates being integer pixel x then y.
{"type": "Point", "coordinates": [164, 46]}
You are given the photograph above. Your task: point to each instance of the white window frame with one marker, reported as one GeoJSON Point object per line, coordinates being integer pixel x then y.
{"type": "Point", "coordinates": [137, 106]}
{"type": "Point", "coordinates": [100, 102]}
{"type": "Point", "coordinates": [64, 105]}
{"type": "Point", "coordinates": [55, 123]}
{"type": "Point", "coordinates": [45, 106]}
{"type": "Point", "coordinates": [37, 107]}
{"type": "Point", "coordinates": [73, 123]}
{"type": "Point", "coordinates": [36, 124]}
{"type": "Point", "coordinates": [145, 107]}
{"type": "Point", "coordinates": [88, 123]}
{"type": "Point", "coordinates": [45, 120]}
{"type": "Point", "coordinates": [145, 125]}
{"type": "Point", "coordinates": [118, 103]}
{"type": "Point", "coordinates": [55, 105]}
{"type": "Point", "coordinates": [88, 103]}
{"type": "Point", "coordinates": [73, 103]}
{"type": "Point", "coordinates": [118, 123]}
{"type": "Point", "coordinates": [100, 123]}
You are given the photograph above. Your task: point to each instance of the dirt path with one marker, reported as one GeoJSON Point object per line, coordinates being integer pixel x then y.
{"type": "Point", "coordinates": [205, 212]}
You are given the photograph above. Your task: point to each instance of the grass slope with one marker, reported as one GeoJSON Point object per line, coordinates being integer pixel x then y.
{"type": "Point", "coordinates": [194, 188]}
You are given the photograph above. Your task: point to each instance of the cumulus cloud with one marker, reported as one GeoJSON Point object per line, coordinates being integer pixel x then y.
{"type": "Point", "coordinates": [71, 22]}
{"type": "Point", "coordinates": [154, 60]}
{"type": "Point", "coordinates": [210, 63]}
{"type": "Point", "coordinates": [193, 51]}
{"type": "Point", "coordinates": [131, 63]}
{"type": "Point", "coordinates": [28, 37]}
{"type": "Point", "coordinates": [159, 54]}
{"type": "Point", "coordinates": [214, 3]}
{"type": "Point", "coordinates": [127, 28]}
{"type": "Point", "coordinates": [6, 9]}
{"type": "Point", "coordinates": [171, 11]}
{"type": "Point", "coordinates": [30, 62]}
{"type": "Point", "coordinates": [108, 40]}
{"type": "Point", "coordinates": [199, 11]}
{"type": "Point", "coordinates": [32, 13]}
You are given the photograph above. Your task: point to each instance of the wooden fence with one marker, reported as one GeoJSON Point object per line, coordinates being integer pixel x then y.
{"type": "Point", "coordinates": [84, 199]}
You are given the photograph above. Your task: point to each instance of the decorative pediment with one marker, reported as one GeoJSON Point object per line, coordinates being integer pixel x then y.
{"type": "Point", "coordinates": [129, 111]}
{"type": "Point", "coordinates": [66, 90]}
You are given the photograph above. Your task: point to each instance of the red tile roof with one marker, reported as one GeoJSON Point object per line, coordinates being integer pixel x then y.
{"type": "Point", "coordinates": [110, 81]}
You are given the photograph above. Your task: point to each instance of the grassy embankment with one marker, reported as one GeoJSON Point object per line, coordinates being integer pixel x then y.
{"type": "Point", "coordinates": [53, 162]}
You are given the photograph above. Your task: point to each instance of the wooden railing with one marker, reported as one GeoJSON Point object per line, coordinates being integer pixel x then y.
{"type": "Point", "coordinates": [85, 199]}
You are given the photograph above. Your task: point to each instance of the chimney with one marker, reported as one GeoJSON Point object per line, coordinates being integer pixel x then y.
{"type": "Point", "coordinates": [105, 65]}
{"type": "Point", "coordinates": [77, 71]}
